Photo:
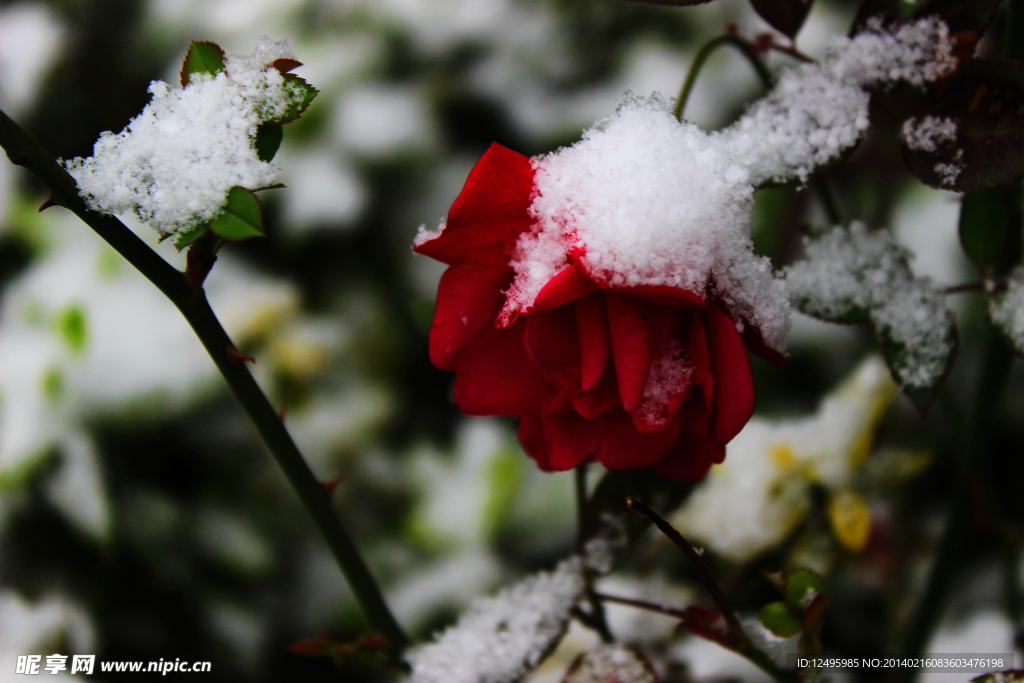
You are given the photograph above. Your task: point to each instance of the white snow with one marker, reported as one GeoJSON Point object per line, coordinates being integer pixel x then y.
{"type": "Point", "coordinates": [1007, 309]}
{"type": "Point", "coordinates": [927, 133]}
{"type": "Point", "coordinates": [819, 111]}
{"type": "Point", "coordinates": [501, 638]}
{"type": "Point", "coordinates": [856, 273]}
{"type": "Point", "coordinates": [175, 162]}
{"type": "Point", "coordinates": [650, 201]}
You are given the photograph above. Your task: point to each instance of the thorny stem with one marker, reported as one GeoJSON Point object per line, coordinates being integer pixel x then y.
{"type": "Point", "coordinates": [744, 46]}
{"type": "Point", "coordinates": [24, 150]}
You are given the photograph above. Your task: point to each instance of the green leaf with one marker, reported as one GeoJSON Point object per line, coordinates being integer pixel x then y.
{"type": "Point", "coordinates": [985, 98]}
{"type": "Point", "coordinates": [183, 239]}
{"type": "Point", "coordinates": [778, 619]}
{"type": "Point", "coordinates": [72, 327]}
{"type": "Point", "coordinates": [268, 140]}
{"type": "Point", "coordinates": [241, 218]}
{"type": "Point", "coordinates": [608, 519]}
{"type": "Point", "coordinates": [203, 57]}
{"type": "Point", "coordinates": [785, 16]}
{"type": "Point", "coordinates": [990, 228]}
{"type": "Point", "coordinates": [803, 586]}
{"type": "Point", "coordinates": [53, 383]}
{"type": "Point", "coordinates": [300, 95]}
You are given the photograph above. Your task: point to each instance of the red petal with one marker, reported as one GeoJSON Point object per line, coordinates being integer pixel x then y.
{"type": "Point", "coordinates": [494, 376]}
{"type": "Point", "coordinates": [691, 459]}
{"type": "Point", "coordinates": [601, 398]}
{"type": "Point", "coordinates": [490, 212]}
{"type": "Point", "coordinates": [595, 344]}
{"type": "Point", "coordinates": [469, 298]}
{"type": "Point", "coordinates": [552, 345]}
{"type": "Point", "coordinates": [697, 348]}
{"type": "Point", "coordinates": [660, 294]}
{"type": "Point", "coordinates": [629, 347]}
{"type": "Point", "coordinates": [610, 439]}
{"type": "Point", "coordinates": [734, 385]}
{"type": "Point", "coordinates": [570, 284]}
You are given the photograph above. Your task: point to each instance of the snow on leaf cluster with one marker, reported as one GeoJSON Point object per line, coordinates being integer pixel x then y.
{"type": "Point", "coordinates": [819, 111]}
{"type": "Point", "coordinates": [853, 275]}
{"type": "Point", "coordinates": [1007, 309]}
{"type": "Point", "coordinates": [502, 638]}
{"type": "Point", "coordinates": [644, 199]}
{"type": "Point", "coordinates": [176, 161]}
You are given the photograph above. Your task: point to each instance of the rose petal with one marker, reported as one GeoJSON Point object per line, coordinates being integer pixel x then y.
{"type": "Point", "coordinates": [469, 298]}
{"type": "Point", "coordinates": [595, 344]}
{"type": "Point", "coordinates": [552, 345]}
{"type": "Point", "coordinates": [691, 459]}
{"type": "Point", "coordinates": [610, 439]}
{"type": "Point", "coordinates": [660, 294]}
{"type": "Point", "coordinates": [734, 385]}
{"type": "Point", "coordinates": [490, 212]}
{"type": "Point", "coordinates": [755, 343]}
{"type": "Point", "coordinates": [494, 376]}
{"type": "Point", "coordinates": [629, 348]}
{"type": "Point", "coordinates": [570, 284]}
{"type": "Point", "coordinates": [599, 399]}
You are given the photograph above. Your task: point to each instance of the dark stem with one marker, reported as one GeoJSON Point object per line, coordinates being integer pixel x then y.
{"type": "Point", "coordinates": [828, 200]}
{"type": "Point", "coordinates": [596, 619]}
{"type": "Point", "coordinates": [744, 46]}
{"type": "Point", "coordinates": [965, 287]}
{"type": "Point", "coordinates": [190, 299]}
{"type": "Point", "coordinates": [973, 456]}
{"type": "Point", "coordinates": [735, 627]}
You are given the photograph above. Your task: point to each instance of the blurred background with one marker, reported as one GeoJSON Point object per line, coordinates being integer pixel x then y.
{"type": "Point", "coordinates": [140, 516]}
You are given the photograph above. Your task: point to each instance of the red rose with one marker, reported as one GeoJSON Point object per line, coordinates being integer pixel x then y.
{"type": "Point", "coordinates": [631, 377]}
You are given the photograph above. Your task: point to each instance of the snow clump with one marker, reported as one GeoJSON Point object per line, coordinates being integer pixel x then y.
{"type": "Point", "coordinates": [502, 638]}
{"type": "Point", "coordinates": [175, 162]}
{"type": "Point", "coordinates": [1007, 309]}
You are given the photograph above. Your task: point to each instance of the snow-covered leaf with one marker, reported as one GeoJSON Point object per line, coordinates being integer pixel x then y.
{"type": "Point", "coordinates": [1006, 309]}
{"type": "Point", "coordinates": [242, 217]}
{"type": "Point", "coordinates": [187, 237]}
{"type": "Point", "coordinates": [785, 16]}
{"type": "Point", "coordinates": [853, 275]}
{"type": "Point", "coordinates": [503, 638]}
{"type": "Point", "coordinates": [610, 663]}
{"type": "Point", "coordinates": [300, 94]}
{"type": "Point", "coordinates": [970, 131]}
{"type": "Point", "coordinates": [203, 57]}
{"type": "Point", "coordinates": [802, 586]}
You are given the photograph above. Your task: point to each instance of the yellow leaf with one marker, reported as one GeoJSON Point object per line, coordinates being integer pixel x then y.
{"type": "Point", "coordinates": [851, 519]}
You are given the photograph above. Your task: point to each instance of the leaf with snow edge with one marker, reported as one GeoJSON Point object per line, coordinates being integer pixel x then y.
{"type": "Point", "coordinates": [802, 586]}
{"type": "Point", "coordinates": [187, 237]}
{"type": "Point", "coordinates": [785, 16]}
{"type": "Point", "coordinates": [203, 57]}
{"type": "Point", "coordinates": [919, 340]}
{"type": "Point", "coordinates": [779, 619]}
{"type": "Point", "coordinates": [268, 141]}
{"type": "Point", "coordinates": [969, 19]}
{"type": "Point", "coordinates": [502, 638]}
{"type": "Point", "coordinates": [610, 663]}
{"type": "Point", "coordinates": [300, 94]}
{"type": "Point", "coordinates": [985, 98]}
{"type": "Point", "coordinates": [609, 523]}
{"type": "Point", "coordinates": [990, 224]}
{"type": "Point", "coordinates": [1006, 309]}
{"type": "Point", "coordinates": [853, 275]}
{"type": "Point", "coordinates": [242, 217]}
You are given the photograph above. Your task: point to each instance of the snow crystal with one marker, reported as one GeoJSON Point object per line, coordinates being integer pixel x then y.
{"type": "Point", "coordinates": [1007, 309]}
{"type": "Point", "coordinates": [175, 162]}
{"type": "Point", "coordinates": [649, 200]}
{"type": "Point", "coordinates": [607, 663]}
{"type": "Point", "coordinates": [927, 133]}
{"type": "Point", "coordinates": [856, 274]}
{"type": "Point", "coordinates": [501, 639]}
{"type": "Point", "coordinates": [670, 373]}
{"type": "Point", "coordinates": [818, 111]}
